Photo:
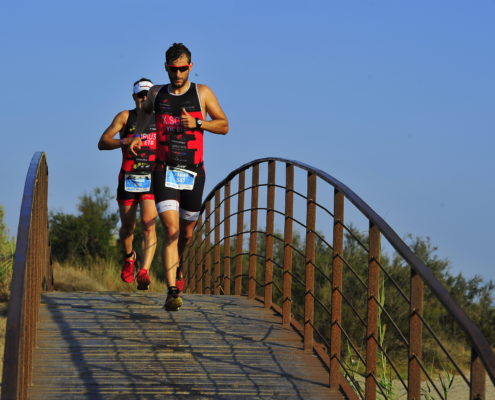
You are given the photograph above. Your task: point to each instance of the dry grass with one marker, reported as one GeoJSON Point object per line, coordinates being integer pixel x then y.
{"type": "Point", "coordinates": [98, 277]}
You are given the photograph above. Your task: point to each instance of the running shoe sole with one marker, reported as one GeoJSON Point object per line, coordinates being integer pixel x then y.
{"type": "Point", "coordinates": [173, 304]}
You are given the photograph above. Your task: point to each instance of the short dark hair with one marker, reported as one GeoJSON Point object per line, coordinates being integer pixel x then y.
{"type": "Point", "coordinates": [176, 51]}
{"type": "Point", "coordinates": [141, 80]}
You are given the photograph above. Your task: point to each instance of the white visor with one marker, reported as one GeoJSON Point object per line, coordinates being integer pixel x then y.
{"type": "Point", "coordinates": [143, 85]}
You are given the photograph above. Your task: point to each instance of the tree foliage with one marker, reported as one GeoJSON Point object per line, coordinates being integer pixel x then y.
{"type": "Point", "coordinates": [89, 235]}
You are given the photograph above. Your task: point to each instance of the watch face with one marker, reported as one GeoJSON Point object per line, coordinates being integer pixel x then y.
{"type": "Point", "coordinates": [199, 122]}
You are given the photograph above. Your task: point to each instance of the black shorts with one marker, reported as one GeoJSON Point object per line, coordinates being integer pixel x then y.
{"type": "Point", "coordinates": [186, 202]}
{"type": "Point", "coordinates": [125, 198]}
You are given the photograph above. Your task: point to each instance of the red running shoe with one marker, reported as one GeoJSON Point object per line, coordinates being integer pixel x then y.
{"type": "Point", "coordinates": [143, 279]}
{"type": "Point", "coordinates": [180, 282]}
{"type": "Point", "coordinates": [127, 273]}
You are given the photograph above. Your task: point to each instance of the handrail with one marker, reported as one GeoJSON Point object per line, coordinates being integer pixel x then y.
{"type": "Point", "coordinates": [32, 273]}
{"type": "Point", "coordinates": [480, 346]}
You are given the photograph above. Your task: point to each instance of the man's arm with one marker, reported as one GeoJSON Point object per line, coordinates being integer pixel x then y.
{"type": "Point", "coordinates": [143, 117]}
{"type": "Point", "coordinates": [107, 141]}
{"type": "Point", "coordinates": [218, 123]}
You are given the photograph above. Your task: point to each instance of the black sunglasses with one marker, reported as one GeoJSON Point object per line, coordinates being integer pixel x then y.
{"type": "Point", "coordinates": [142, 94]}
{"type": "Point", "coordinates": [175, 68]}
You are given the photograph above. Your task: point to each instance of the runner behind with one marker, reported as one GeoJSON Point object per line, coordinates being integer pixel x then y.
{"type": "Point", "coordinates": [134, 185]}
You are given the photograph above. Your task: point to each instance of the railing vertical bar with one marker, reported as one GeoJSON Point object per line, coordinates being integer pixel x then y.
{"type": "Point", "coordinates": [207, 260]}
{"type": "Point", "coordinates": [477, 389]}
{"type": "Point", "coordinates": [216, 251]}
{"type": "Point", "coordinates": [270, 221]}
{"type": "Point", "coordinates": [239, 236]}
{"type": "Point", "coordinates": [253, 236]}
{"type": "Point", "coordinates": [226, 241]}
{"type": "Point", "coordinates": [337, 289]}
{"type": "Point", "coordinates": [289, 210]}
{"type": "Point", "coordinates": [373, 309]}
{"type": "Point", "coordinates": [199, 255]}
{"type": "Point", "coordinates": [415, 336]}
{"type": "Point", "coordinates": [310, 261]}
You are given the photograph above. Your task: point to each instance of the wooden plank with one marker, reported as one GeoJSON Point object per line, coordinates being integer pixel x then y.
{"type": "Point", "coordinates": [125, 346]}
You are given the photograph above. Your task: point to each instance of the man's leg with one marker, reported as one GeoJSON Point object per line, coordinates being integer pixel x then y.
{"type": "Point", "coordinates": [190, 205]}
{"type": "Point", "coordinates": [126, 234]}
{"type": "Point", "coordinates": [185, 235]}
{"type": "Point", "coordinates": [170, 221]}
{"type": "Point", "coordinates": [148, 219]}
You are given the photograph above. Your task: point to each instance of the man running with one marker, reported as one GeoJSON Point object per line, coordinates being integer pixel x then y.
{"type": "Point", "coordinates": [180, 114]}
{"type": "Point", "coordinates": [135, 184]}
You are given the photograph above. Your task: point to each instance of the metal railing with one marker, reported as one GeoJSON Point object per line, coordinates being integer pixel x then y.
{"type": "Point", "coordinates": [32, 273]}
{"type": "Point", "coordinates": [350, 305]}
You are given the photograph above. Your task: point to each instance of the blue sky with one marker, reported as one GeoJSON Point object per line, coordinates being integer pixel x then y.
{"type": "Point", "coordinates": [393, 98]}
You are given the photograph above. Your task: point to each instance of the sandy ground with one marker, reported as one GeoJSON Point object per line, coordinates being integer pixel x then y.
{"type": "Point", "coordinates": [458, 391]}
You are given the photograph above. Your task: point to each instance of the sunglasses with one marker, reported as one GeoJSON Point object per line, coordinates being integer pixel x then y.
{"type": "Point", "coordinates": [175, 68]}
{"type": "Point", "coordinates": [142, 94]}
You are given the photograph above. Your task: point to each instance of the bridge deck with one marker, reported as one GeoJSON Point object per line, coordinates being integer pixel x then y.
{"type": "Point", "coordinates": [125, 346]}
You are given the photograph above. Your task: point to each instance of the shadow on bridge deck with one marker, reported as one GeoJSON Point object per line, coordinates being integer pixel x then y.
{"type": "Point", "coordinates": [125, 346]}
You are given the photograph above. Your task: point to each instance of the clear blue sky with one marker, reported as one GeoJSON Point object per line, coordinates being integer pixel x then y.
{"type": "Point", "coordinates": [396, 99]}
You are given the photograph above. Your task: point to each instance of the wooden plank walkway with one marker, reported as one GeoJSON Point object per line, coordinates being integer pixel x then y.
{"type": "Point", "coordinates": [110, 346]}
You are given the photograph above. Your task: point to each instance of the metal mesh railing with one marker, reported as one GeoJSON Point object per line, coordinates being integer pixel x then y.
{"type": "Point", "coordinates": [275, 239]}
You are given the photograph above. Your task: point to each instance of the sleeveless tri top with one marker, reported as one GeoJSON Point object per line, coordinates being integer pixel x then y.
{"type": "Point", "coordinates": [178, 147]}
{"type": "Point", "coordinates": [145, 158]}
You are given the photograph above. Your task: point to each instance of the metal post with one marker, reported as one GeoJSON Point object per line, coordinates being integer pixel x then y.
{"type": "Point", "coordinates": [415, 336]}
{"type": "Point", "coordinates": [337, 288]}
{"type": "Point", "coordinates": [372, 325]}
{"type": "Point", "coordinates": [270, 216]}
{"type": "Point", "coordinates": [289, 209]}
{"type": "Point", "coordinates": [238, 237]}
{"type": "Point", "coordinates": [216, 250]}
{"type": "Point", "coordinates": [310, 261]}
{"type": "Point", "coordinates": [253, 234]}
{"type": "Point", "coordinates": [207, 258]}
{"type": "Point", "coordinates": [478, 375]}
{"type": "Point", "coordinates": [226, 240]}
{"type": "Point", "coordinates": [197, 257]}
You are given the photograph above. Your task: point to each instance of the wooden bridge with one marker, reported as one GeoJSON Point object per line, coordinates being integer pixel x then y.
{"type": "Point", "coordinates": [266, 315]}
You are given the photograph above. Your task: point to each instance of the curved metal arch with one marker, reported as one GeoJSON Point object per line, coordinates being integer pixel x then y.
{"type": "Point", "coordinates": [474, 334]}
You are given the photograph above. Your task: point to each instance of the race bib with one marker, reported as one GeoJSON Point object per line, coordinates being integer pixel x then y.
{"type": "Point", "coordinates": [137, 183]}
{"type": "Point", "coordinates": [178, 178]}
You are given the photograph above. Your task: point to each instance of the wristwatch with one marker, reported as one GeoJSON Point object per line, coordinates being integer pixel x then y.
{"type": "Point", "coordinates": [199, 123]}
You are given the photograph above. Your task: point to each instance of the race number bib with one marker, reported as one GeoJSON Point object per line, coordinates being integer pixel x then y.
{"type": "Point", "coordinates": [178, 178]}
{"type": "Point", "coordinates": [137, 183]}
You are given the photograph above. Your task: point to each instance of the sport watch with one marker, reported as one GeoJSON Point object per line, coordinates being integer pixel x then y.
{"type": "Point", "coordinates": [199, 123]}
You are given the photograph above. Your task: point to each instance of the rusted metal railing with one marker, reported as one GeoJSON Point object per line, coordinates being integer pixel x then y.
{"type": "Point", "coordinates": [311, 281]}
{"type": "Point", "coordinates": [32, 273]}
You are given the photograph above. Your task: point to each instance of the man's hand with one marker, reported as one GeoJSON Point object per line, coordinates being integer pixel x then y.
{"type": "Point", "coordinates": [135, 144]}
{"type": "Point", "coordinates": [187, 120]}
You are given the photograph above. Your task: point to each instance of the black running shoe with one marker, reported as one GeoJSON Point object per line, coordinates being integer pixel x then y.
{"type": "Point", "coordinates": [174, 301]}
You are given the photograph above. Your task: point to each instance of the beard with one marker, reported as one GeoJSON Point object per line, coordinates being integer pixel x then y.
{"type": "Point", "coordinates": [178, 84]}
